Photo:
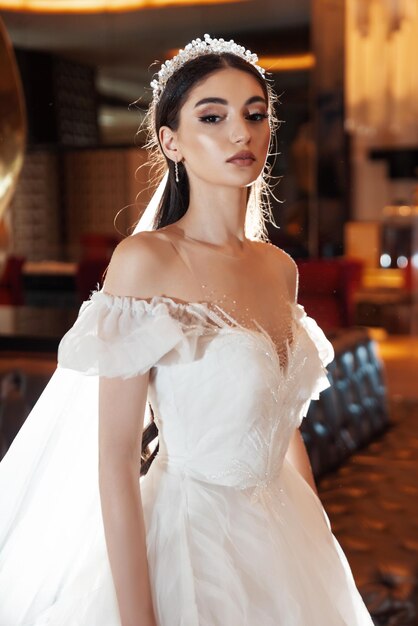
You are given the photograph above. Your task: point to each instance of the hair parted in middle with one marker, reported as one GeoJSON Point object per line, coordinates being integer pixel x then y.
{"type": "Point", "coordinates": [166, 112]}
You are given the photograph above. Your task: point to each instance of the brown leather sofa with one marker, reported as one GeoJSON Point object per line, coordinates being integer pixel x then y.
{"type": "Point", "coordinates": [365, 457]}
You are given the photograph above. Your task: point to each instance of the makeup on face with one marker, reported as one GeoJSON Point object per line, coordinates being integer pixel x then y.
{"type": "Point", "coordinates": [224, 130]}
{"type": "Point", "coordinates": [215, 109]}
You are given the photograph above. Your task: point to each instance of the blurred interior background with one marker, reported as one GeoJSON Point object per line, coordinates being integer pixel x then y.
{"type": "Point", "coordinates": [74, 87]}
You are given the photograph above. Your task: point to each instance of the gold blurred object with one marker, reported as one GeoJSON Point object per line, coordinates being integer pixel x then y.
{"type": "Point", "coordinates": [12, 124]}
{"type": "Point", "coordinates": [381, 79]}
{"type": "Point", "coordinates": [401, 210]}
{"type": "Point", "coordinates": [379, 278]}
{"type": "Point", "coordinates": [362, 241]}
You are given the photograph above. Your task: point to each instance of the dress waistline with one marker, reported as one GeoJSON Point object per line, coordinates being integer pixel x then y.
{"type": "Point", "coordinates": [256, 487]}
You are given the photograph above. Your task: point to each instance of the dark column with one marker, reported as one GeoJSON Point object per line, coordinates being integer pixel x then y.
{"type": "Point", "coordinates": [330, 205]}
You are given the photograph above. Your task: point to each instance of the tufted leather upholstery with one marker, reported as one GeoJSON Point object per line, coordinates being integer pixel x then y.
{"type": "Point", "coordinates": [371, 497]}
{"type": "Point", "coordinates": [354, 409]}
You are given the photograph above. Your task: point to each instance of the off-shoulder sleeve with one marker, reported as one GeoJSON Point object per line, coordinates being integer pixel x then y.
{"type": "Point", "coordinates": [318, 352]}
{"type": "Point", "coordinates": [116, 336]}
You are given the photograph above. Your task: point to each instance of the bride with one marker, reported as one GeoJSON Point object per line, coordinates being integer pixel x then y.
{"type": "Point", "coordinates": [197, 318]}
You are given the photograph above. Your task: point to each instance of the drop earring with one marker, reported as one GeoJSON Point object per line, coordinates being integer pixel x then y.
{"type": "Point", "coordinates": [176, 171]}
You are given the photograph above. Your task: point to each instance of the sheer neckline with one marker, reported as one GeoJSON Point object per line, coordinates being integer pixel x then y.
{"type": "Point", "coordinates": [187, 304]}
{"type": "Point", "coordinates": [216, 314]}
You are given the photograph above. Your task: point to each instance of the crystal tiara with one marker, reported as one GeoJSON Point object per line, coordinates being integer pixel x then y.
{"type": "Point", "coordinates": [197, 48]}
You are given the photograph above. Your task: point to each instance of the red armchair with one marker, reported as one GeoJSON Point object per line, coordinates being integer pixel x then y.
{"type": "Point", "coordinates": [327, 288]}
{"type": "Point", "coordinates": [11, 281]}
{"type": "Point", "coordinates": [96, 250]}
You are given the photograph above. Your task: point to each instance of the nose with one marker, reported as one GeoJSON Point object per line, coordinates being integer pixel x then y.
{"type": "Point", "coordinates": [240, 131]}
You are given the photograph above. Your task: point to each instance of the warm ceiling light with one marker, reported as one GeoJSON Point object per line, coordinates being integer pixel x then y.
{"type": "Point", "coordinates": [96, 6]}
{"type": "Point", "coordinates": [294, 62]}
{"type": "Point", "coordinates": [287, 63]}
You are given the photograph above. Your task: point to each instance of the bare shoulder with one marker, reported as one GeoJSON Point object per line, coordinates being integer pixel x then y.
{"type": "Point", "coordinates": [138, 265]}
{"type": "Point", "coordinates": [283, 262]}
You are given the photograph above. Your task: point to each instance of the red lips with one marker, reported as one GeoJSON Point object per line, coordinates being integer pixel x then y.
{"type": "Point", "coordinates": [243, 156]}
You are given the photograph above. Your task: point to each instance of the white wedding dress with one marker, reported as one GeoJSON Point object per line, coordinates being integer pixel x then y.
{"type": "Point", "coordinates": [235, 536]}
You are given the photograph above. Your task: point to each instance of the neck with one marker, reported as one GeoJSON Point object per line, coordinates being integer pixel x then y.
{"type": "Point", "coordinates": [216, 215]}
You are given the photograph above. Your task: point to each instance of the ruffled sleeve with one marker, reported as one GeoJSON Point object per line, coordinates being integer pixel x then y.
{"type": "Point", "coordinates": [319, 353]}
{"type": "Point", "coordinates": [116, 336]}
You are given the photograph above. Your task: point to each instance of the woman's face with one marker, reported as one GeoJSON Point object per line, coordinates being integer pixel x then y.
{"type": "Point", "coordinates": [224, 132]}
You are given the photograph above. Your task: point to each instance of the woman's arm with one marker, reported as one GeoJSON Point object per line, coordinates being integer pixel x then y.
{"type": "Point", "coordinates": [296, 454]}
{"type": "Point", "coordinates": [121, 411]}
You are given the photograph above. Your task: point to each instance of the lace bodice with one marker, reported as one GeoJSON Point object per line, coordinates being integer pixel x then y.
{"type": "Point", "coordinates": [225, 397]}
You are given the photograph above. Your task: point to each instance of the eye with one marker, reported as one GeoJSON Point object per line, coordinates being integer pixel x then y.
{"type": "Point", "coordinates": [210, 119]}
{"type": "Point", "coordinates": [257, 117]}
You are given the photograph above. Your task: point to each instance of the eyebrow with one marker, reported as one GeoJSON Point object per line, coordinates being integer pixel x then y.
{"type": "Point", "coordinates": [251, 100]}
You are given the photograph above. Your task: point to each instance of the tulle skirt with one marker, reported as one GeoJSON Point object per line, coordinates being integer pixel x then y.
{"type": "Point", "coordinates": [257, 557]}
{"type": "Point", "coordinates": [218, 556]}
